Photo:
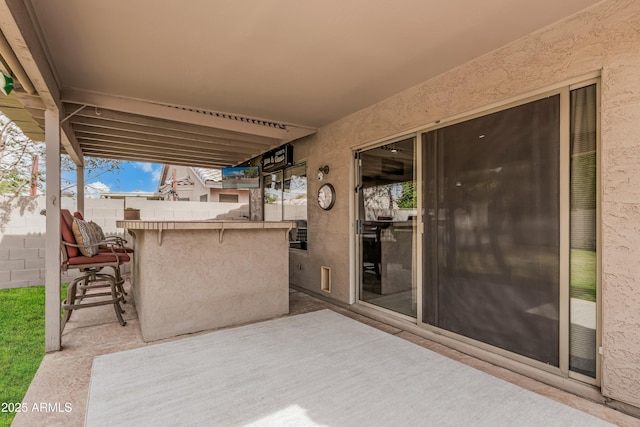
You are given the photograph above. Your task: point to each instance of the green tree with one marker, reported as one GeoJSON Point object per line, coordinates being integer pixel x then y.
{"type": "Point", "coordinates": [408, 197]}
{"type": "Point", "coordinates": [16, 156]}
{"type": "Point", "coordinates": [94, 167]}
{"type": "Point", "coordinates": [251, 172]}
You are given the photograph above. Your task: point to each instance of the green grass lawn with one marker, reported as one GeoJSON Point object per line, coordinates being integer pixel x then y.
{"type": "Point", "coordinates": [21, 343]}
{"type": "Point", "coordinates": [583, 274]}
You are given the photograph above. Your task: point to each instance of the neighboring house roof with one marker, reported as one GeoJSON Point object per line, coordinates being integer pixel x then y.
{"type": "Point", "coordinates": [210, 178]}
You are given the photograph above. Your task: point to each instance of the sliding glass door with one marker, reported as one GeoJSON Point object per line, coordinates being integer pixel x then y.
{"type": "Point", "coordinates": [495, 267]}
{"type": "Point", "coordinates": [509, 230]}
{"type": "Point", "coordinates": [492, 229]}
{"type": "Point", "coordinates": [387, 226]}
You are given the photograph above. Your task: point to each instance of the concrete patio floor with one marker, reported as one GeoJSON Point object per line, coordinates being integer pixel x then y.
{"type": "Point", "coordinates": [62, 381]}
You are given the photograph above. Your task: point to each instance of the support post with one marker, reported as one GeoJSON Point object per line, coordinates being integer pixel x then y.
{"type": "Point", "coordinates": [53, 236]}
{"type": "Point", "coordinates": [80, 189]}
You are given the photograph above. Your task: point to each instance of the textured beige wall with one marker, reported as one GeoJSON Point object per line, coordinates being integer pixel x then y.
{"type": "Point", "coordinates": [327, 231]}
{"type": "Point", "coordinates": [606, 38]}
{"type": "Point", "coordinates": [194, 282]}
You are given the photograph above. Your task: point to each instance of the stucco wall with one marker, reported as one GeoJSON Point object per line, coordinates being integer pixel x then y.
{"type": "Point", "coordinates": [605, 38]}
{"type": "Point", "coordinates": [241, 279]}
{"type": "Point", "coordinates": [327, 231]}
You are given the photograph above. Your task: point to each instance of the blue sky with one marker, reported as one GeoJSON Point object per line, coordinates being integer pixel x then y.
{"type": "Point", "coordinates": [134, 176]}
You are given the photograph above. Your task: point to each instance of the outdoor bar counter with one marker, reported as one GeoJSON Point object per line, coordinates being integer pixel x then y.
{"type": "Point", "coordinates": [190, 276]}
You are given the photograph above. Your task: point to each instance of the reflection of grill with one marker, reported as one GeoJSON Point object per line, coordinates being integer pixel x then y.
{"type": "Point", "coordinates": [298, 238]}
{"type": "Point", "coordinates": [371, 249]}
{"type": "Point", "coordinates": [301, 235]}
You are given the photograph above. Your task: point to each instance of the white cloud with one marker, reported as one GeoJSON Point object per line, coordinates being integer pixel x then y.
{"type": "Point", "coordinates": [145, 166]}
{"type": "Point", "coordinates": [150, 168]}
{"type": "Point", "coordinates": [93, 190]}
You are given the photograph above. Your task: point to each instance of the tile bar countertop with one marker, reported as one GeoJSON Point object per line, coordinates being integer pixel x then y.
{"type": "Point", "coordinates": [221, 226]}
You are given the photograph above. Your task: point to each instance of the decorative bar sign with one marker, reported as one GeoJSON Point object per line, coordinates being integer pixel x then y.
{"type": "Point", "coordinates": [277, 159]}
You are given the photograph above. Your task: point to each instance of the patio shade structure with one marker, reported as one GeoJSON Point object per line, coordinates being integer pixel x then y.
{"type": "Point", "coordinates": [216, 83]}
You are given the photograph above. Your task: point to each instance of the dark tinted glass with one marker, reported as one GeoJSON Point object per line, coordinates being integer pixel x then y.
{"type": "Point", "coordinates": [491, 237]}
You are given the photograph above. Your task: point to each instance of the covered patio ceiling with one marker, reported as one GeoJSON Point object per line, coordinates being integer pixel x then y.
{"type": "Point", "coordinates": [215, 83]}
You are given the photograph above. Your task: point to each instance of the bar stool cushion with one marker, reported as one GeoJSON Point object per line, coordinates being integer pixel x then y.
{"type": "Point", "coordinates": [117, 249]}
{"type": "Point", "coordinates": [66, 220]}
{"type": "Point", "coordinates": [85, 237]}
{"type": "Point", "coordinates": [100, 258]}
{"type": "Point", "coordinates": [97, 230]}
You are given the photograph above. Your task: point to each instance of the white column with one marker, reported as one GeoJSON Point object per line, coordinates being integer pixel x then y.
{"type": "Point", "coordinates": [53, 236]}
{"type": "Point", "coordinates": [80, 189]}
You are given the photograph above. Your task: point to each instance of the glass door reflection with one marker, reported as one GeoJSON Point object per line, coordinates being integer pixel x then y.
{"type": "Point", "coordinates": [272, 184]}
{"type": "Point", "coordinates": [387, 226]}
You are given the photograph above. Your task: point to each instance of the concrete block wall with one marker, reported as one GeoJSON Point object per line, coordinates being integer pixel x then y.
{"type": "Point", "coordinates": [160, 209]}
{"type": "Point", "coordinates": [105, 213]}
{"type": "Point", "coordinates": [22, 241]}
{"type": "Point", "coordinates": [22, 245]}
{"type": "Point", "coordinates": [20, 266]}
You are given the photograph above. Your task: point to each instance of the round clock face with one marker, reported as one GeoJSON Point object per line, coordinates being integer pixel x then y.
{"type": "Point", "coordinates": [326, 196]}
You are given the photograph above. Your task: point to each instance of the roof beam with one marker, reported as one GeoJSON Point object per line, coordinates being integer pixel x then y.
{"type": "Point", "coordinates": [160, 111]}
{"type": "Point", "coordinates": [156, 145]}
{"type": "Point", "coordinates": [157, 158]}
{"type": "Point", "coordinates": [108, 143]}
{"type": "Point", "coordinates": [71, 145]}
{"type": "Point", "coordinates": [116, 119]}
{"type": "Point", "coordinates": [154, 158]}
{"type": "Point", "coordinates": [22, 37]}
{"type": "Point", "coordinates": [20, 33]}
{"type": "Point", "coordinates": [33, 102]}
{"type": "Point", "coordinates": [140, 133]}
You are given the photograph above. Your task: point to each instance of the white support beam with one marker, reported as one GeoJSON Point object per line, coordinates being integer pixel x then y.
{"type": "Point", "coordinates": [150, 109]}
{"type": "Point", "coordinates": [53, 232]}
{"type": "Point", "coordinates": [80, 189]}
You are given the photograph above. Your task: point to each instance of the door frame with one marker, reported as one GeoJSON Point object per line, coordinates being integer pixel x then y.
{"type": "Point", "coordinates": [355, 214]}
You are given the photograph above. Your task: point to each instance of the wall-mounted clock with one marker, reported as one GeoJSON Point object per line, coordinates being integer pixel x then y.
{"type": "Point", "coordinates": [326, 196]}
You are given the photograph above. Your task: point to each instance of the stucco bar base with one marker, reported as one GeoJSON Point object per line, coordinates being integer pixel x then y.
{"type": "Point", "coordinates": [196, 275]}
